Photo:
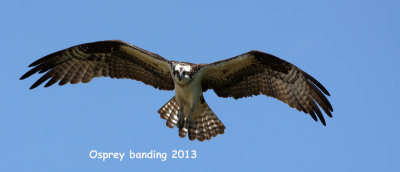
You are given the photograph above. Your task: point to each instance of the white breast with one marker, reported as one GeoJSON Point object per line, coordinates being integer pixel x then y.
{"type": "Point", "coordinates": [187, 94]}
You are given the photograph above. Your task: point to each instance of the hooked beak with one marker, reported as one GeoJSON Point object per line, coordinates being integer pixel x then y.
{"type": "Point", "coordinates": [180, 75]}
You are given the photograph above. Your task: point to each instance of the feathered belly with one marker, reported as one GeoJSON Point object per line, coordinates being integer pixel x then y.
{"type": "Point", "coordinates": [186, 97]}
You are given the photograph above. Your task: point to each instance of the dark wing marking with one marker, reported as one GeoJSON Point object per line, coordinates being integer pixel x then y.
{"type": "Point", "coordinates": [255, 73]}
{"type": "Point", "coordinates": [115, 59]}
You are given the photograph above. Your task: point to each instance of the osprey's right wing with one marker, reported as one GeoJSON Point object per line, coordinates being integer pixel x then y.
{"type": "Point", "coordinates": [115, 59]}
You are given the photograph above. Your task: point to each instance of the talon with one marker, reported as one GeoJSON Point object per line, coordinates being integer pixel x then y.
{"type": "Point", "coordinates": [181, 119]}
{"type": "Point", "coordinates": [181, 122]}
{"type": "Point", "coordinates": [189, 123]}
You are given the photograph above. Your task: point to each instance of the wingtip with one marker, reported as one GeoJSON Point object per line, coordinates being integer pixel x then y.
{"type": "Point", "coordinates": [322, 122]}
{"type": "Point", "coordinates": [34, 85]}
{"type": "Point", "coordinates": [26, 75]}
{"type": "Point", "coordinates": [327, 93]}
{"type": "Point", "coordinates": [318, 84]}
{"type": "Point", "coordinates": [39, 61]}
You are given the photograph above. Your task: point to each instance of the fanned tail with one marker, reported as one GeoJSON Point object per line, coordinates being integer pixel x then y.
{"type": "Point", "coordinates": [207, 124]}
{"type": "Point", "coordinates": [169, 112]}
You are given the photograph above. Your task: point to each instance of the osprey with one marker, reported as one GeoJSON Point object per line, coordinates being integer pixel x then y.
{"type": "Point", "coordinates": [248, 74]}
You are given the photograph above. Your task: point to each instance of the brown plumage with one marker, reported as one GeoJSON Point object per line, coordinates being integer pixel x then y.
{"type": "Point", "coordinates": [255, 73]}
{"type": "Point", "coordinates": [207, 123]}
{"type": "Point", "coordinates": [115, 59]}
{"type": "Point", "coordinates": [251, 73]}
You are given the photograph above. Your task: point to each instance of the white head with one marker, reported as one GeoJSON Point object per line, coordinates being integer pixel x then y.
{"type": "Point", "coordinates": [181, 72]}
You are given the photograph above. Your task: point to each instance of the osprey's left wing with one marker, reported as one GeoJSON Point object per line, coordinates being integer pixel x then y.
{"type": "Point", "coordinates": [256, 72]}
{"type": "Point", "coordinates": [115, 59]}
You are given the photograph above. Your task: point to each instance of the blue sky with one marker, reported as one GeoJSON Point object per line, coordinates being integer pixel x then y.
{"type": "Point", "coordinates": [352, 47]}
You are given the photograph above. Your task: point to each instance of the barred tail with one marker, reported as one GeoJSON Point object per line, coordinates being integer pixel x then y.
{"type": "Point", "coordinates": [207, 124]}
{"type": "Point", "coordinates": [169, 112]}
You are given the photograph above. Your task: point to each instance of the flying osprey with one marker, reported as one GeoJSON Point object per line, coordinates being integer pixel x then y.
{"type": "Point", "coordinates": [248, 74]}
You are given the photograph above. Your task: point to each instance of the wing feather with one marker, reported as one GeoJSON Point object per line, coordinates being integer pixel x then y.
{"type": "Point", "coordinates": [69, 73]}
{"type": "Point", "coordinates": [87, 77]}
{"type": "Point", "coordinates": [61, 71]}
{"type": "Point", "coordinates": [115, 59]}
{"type": "Point", "coordinates": [42, 79]}
{"type": "Point", "coordinates": [255, 73]}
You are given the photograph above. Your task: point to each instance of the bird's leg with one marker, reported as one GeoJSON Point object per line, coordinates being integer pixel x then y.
{"type": "Point", "coordinates": [189, 121]}
{"type": "Point", "coordinates": [181, 118]}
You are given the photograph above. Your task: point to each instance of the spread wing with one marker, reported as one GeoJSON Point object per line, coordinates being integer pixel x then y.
{"type": "Point", "coordinates": [115, 59]}
{"type": "Point", "coordinates": [255, 73]}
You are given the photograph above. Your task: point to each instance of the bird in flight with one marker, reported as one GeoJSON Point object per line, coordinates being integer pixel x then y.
{"type": "Point", "coordinates": [249, 74]}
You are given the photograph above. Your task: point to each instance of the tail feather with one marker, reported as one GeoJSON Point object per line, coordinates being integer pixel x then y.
{"type": "Point", "coordinates": [169, 112]}
{"type": "Point", "coordinates": [182, 132]}
{"type": "Point", "coordinates": [207, 124]}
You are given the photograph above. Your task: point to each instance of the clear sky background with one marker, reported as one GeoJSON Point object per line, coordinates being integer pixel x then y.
{"type": "Point", "coordinates": [351, 47]}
